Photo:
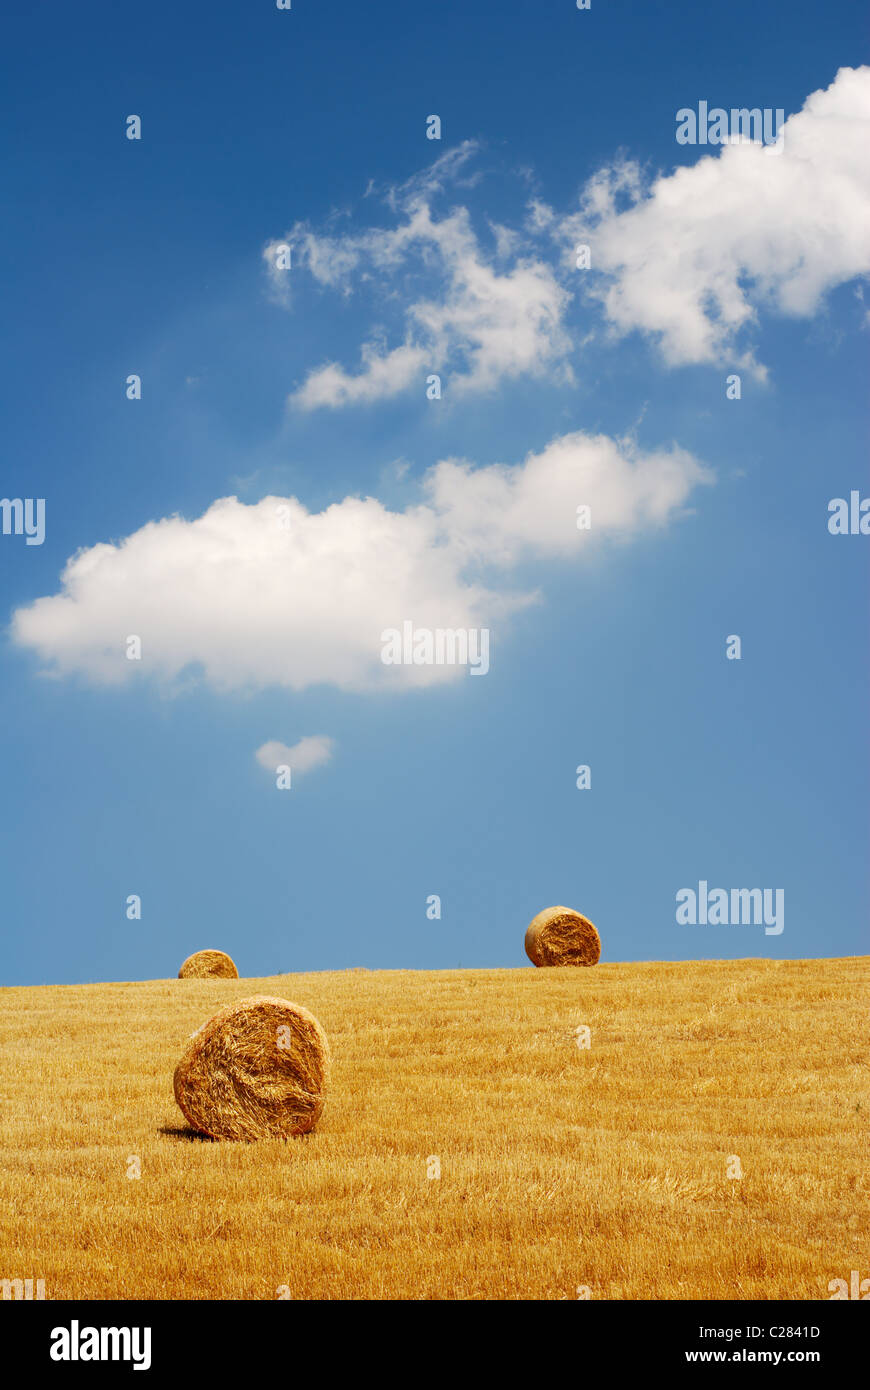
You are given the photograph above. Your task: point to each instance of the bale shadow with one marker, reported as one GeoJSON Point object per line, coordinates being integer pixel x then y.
{"type": "Point", "coordinates": [185, 1132]}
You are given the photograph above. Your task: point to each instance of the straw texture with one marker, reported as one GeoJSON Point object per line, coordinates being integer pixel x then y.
{"type": "Point", "coordinates": [560, 936]}
{"type": "Point", "coordinates": [258, 1069]}
{"type": "Point", "coordinates": [203, 964]}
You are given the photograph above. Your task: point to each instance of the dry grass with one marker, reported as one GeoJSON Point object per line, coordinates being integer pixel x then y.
{"type": "Point", "coordinates": [256, 1069]}
{"type": "Point", "coordinates": [561, 936]}
{"type": "Point", "coordinates": [205, 964]}
{"type": "Point", "coordinates": [560, 1166]}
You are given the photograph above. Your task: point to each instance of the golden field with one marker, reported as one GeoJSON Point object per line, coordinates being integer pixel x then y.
{"type": "Point", "coordinates": [561, 1167]}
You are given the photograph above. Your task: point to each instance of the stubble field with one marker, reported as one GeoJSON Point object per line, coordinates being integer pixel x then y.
{"type": "Point", "coordinates": [600, 1169]}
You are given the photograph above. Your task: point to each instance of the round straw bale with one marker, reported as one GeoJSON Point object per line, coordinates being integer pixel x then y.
{"type": "Point", "coordinates": [256, 1070]}
{"type": "Point", "coordinates": [559, 936]}
{"type": "Point", "coordinates": [208, 963]}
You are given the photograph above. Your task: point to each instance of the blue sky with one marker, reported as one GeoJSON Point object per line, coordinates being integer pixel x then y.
{"type": "Point", "coordinates": [156, 257]}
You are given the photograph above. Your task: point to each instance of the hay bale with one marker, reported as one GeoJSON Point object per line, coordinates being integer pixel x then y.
{"type": "Point", "coordinates": [209, 964]}
{"type": "Point", "coordinates": [559, 936]}
{"type": "Point", "coordinates": [256, 1070]}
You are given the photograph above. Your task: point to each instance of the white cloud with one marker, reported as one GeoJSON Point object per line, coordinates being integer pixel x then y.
{"type": "Point", "coordinates": [500, 514]}
{"type": "Point", "coordinates": [690, 259]}
{"type": "Point", "coordinates": [384, 374]}
{"type": "Point", "coordinates": [696, 256]}
{"type": "Point", "coordinates": [308, 753]}
{"type": "Point", "coordinates": [271, 594]}
{"type": "Point", "coordinates": [485, 323]}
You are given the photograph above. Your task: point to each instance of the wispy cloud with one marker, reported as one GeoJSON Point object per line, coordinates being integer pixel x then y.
{"type": "Point", "coordinates": [690, 259]}
{"type": "Point", "coordinates": [487, 316]}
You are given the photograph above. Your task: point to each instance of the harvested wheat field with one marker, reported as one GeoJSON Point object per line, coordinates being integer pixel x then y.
{"type": "Point", "coordinates": [561, 1167]}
